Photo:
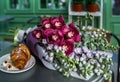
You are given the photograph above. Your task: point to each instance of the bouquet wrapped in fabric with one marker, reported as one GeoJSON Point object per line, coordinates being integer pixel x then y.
{"type": "Point", "coordinates": [81, 53]}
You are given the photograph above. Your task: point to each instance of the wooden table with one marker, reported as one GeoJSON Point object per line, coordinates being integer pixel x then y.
{"type": "Point", "coordinates": [39, 73]}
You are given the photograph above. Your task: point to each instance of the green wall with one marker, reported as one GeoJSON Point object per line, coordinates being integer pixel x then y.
{"type": "Point", "coordinates": [1, 7]}
{"type": "Point", "coordinates": [23, 15]}
{"type": "Point", "coordinates": [1, 13]}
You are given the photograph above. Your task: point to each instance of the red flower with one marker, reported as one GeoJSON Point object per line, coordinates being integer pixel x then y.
{"type": "Point", "coordinates": [68, 46]}
{"type": "Point", "coordinates": [57, 22]}
{"type": "Point", "coordinates": [38, 33]}
{"type": "Point", "coordinates": [55, 31]}
{"type": "Point", "coordinates": [53, 36]}
{"type": "Point", "coordinates": [46, 24]}
{"type": "Point", "coordinates": [72, 33]}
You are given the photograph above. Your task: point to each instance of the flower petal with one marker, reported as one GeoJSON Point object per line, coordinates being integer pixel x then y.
{"type": "Point", "coordinates": [46, 24]}
{"type": "Point", "coordinates": [38, 33]}
{"type": "Point", "coordinates": [54, 36]}
{"type": "Point", "coordinates": [68, 46]}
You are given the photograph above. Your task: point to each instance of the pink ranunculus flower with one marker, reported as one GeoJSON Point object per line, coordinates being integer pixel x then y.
{"type": "Point", "coordinates": [57, 22]}
{"type": "Point", "coordinates": [38, 33]}
{"type": "Point", "coordinates": [53, 36]}
{"type": "Point", "coordinates": [68, 46]}
{"type": "Point", "coordinates": [65, 29]}
{"type": "Point", "coordinates": [46, 24]}
{"type": "Point", "coordinates": [72, 32]}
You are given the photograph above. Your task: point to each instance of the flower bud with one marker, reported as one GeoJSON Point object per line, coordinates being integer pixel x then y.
{"type": "Point", "coordinates": [96, 70]}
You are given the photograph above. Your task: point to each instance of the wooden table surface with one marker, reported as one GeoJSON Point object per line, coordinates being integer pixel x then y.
{"type": "Point", "coordinates": [39, 73]}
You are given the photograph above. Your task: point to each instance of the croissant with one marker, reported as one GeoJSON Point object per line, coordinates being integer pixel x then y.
{"type": "Point", "coordinates": [20, 56]}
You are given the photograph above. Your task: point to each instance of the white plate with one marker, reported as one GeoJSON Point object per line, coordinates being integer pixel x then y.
{"type": "Point", "coordinates": [28, 66]}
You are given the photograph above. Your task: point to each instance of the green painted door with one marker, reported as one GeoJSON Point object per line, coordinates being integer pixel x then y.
{"type": "Point", "coordinates": [113, 16]}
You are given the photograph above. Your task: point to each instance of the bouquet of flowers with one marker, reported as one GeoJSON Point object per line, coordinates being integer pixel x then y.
{"type": "Point", "coordinates": [80, 53]}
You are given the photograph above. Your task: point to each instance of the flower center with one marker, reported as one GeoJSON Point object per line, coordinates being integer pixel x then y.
{"type": "Point", "coordinates": [47, 25]}
{"type": "Point", "coordinates": [65, 48]}
{"type": "Point", "coordinates": [70, 34]}
{"type": "Point", "coordinates": [54, 37]}
{"type": "Point", "coordinates": [38, 35]}
{"type": "Point", "coordinates": [57, 24]}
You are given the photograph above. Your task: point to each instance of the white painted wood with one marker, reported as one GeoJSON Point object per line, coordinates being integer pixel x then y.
{"type": "Point", "coordinates": [83, 13]}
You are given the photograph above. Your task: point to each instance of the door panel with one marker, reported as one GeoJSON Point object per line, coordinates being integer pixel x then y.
{"type": "Point", "coordinates": [116, 28]}
{"type": "Point", "coordinates": [113, 16]}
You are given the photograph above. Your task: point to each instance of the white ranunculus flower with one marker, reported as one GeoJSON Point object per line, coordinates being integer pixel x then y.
{"type": "Point", "coordinates": [60, 69]}
{"type": "Point", "coordinates": [87, 76]}
{"type": "Point", "coordinates": [110, 71]}
{"type": "Point", "coordinates": [104, 54]}
{"type": "Point", "coordinates": [43, 50]}
{"type": "Point", "coordinates": [56, 65]}
{"type": "Point", "coordinates": [93, 61]}
{"type": "Point", "coordinates": [91, 73]}
{"type": "Point", "coordinates": [84, 56]}
{"type": "Point", "coordinates": [109, 66]}
{"type": "Point", "coordinates": [94, 32]}
{"type": "Point", "coordinates": [89, 54]}
{"type": "Point", "coordinates": [80, 65]}
{"type": "Point", "coordinates": [110, 59]}
{"type": "Point", "coordinates": [91, 67]}
{"type": "Point", "coordinates": [46, 57]}
{"type": "Point", "coordinates": [107, 59]}
{"type": "Point", "coordinates": [88, 65]}
{"type": "Point", "coordinates": [81, 58]}
{"type": "Point", "coordinates": [68, 65]}
{"type": "Point", "coordinates": [83, 27]}
{"type": "Point", "coordinates": [88, 33]}
{"type": "Point", "coordinates": [50, 59]}
{"type": "Point", "coordinates": [101, 71]}
{"type": "Point", "coordinates": [56, 47]}
{"type": "Point", "coordinates": [74, 66]}
{"type": "Point", "coordinates": [103, 66]}
{"type": "Point", "coordinates": [78, 50]}
{"type": "Point", "coordinates": [85, 49]}
{"type": "Point", "coordinates": [75, 69]}
{"type": "Point", "coordinates": [60, 48]}
{"type": "Point", "coordinates": [109, 55]}
{"type": "Point", "coordinates": [98, 30]}
{"type": "Point", "coordinates": [98, 65]}
{"type": "Point", "coordinates": [97, 55]}
{"type": "Point", "coordinates": [105, 76]}
{"type": "Point", "coordinates": [96, 70]}
{"type": "Point", "coordinates": [100, 52]}
{"type": "Point", "coordinates": [84, 62]}
{"type": "Point", "coordinates": [50, 46]}
{"type": "Point", "coordinates": [96, 35]}
{"type": "Point", "coordinates": [51, 54]}
{"type": "Point", "coordinates": [100, 60]}
{"type": "Point", "coordinates": [46, 53]}
{"type": "Point", "coordinates": [98, 73]}
{"type": "Point", "coordinates": [93, 52]}
{"type": "Point", "coordinates": [100, 35]}
{"type": "Point", "coordinates": [63, 52]}
{"type": "Point", "coordinates": [77, 58]}
{"type": "Point", "coordinates": [65, 64]}
{"type": "Point", "coordinates": [72, 55]}
{"type": "Point", "coordinates": [57, 50]}
{"type": "Point", "coordinates": [63, 60]}
{"type": "Point", "coordinates": [92, 36]}
{"type": "Point", "coordinates": [44, 41]}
